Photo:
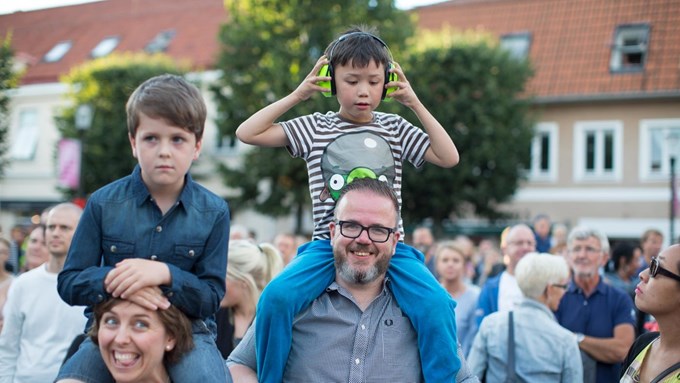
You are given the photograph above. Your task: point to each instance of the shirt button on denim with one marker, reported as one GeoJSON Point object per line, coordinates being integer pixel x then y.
{"type": "Point", "coordinates": [114, 248]}
{"type": "Point", "coordinates": [154, 257]}
{"type": "Point", "coordinates": [357, 361]}
{"type": "Point", "coordinates": [191, 253]}
{"type": "Point", "coordinates": [159, 229]}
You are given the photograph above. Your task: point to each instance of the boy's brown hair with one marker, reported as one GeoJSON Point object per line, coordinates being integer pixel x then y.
{"type": "Point", "coordinates": [359, 45]}
{"type": "Point", "coordinates": [171, 98]}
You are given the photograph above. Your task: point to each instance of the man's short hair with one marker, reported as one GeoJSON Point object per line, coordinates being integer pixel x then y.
{"type": "Point", "coordinates": [360, 47]}
{"type": "Point", "coordinates": [171, 98]}
{"type": "Point", "coordinates": [582, 232]}
{"type": "Point", "coordinates": [536, 271]}
{"type": "Point", "coordinates": [374, 186]}
{"type": "Point", "coordinates": [648, 233]}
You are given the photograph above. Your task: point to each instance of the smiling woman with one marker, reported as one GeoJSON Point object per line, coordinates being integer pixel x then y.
{"type": "Point", "coordinates": [136, 343]}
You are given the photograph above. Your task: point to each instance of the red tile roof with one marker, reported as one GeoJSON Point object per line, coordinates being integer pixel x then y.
{"type": "Point", "coordinates": [137, 22]}
{"type": "Point", "coordinates": [572, 39]}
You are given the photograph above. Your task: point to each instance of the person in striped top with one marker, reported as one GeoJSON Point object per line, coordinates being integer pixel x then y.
{"type": "Point", "coordinates": [355, 142]}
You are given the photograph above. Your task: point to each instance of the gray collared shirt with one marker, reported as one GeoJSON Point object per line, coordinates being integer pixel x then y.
{"type": "Point", "coordinates": [334, 341]}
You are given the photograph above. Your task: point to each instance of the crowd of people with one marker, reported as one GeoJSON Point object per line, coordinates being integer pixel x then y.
{"type": "Point", "coordinates": [151, 281]}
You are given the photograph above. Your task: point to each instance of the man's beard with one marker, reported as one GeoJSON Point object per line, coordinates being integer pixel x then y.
{"type": "Point", "coordinates": [359, 276]}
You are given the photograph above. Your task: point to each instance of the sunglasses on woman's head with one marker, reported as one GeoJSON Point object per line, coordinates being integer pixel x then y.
{"type": "Point", "coordinates": [655, 269]}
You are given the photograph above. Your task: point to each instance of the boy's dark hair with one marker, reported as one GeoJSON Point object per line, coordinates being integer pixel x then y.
{"type": "Point", "coordinates": [622, 251]}
{"type": "Point", "coordinates": [171, 98]}
{"type": "Point", "coordinates": [361, 47]}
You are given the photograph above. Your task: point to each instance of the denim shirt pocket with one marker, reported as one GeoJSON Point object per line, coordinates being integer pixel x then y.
{"type": "Point", "coordinates": [185, 256]}
{"type": "Point", "coordinates": [115, 250]}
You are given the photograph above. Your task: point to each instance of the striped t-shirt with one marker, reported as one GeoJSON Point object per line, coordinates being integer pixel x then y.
{"type": "Point", "coordinates": [337, 151]}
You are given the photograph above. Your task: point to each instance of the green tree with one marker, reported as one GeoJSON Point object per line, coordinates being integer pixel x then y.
{"type": "Point", "coordinates": [268, 47]}
{"type": "Point", "coordinates": [476, 90]}
{"type": "Point", "coordinates": [8, 80]}
{"type": "Point", "coordinates": [106, 84]}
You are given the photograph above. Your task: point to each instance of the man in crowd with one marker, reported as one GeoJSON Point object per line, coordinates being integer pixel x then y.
{"type": "Point", "coordinates": [423, 240]}
{"type": "Point", "coordinates": [39, 326]}
{"type": "Point", "coordinates": [651, 242]}
{"type": "Point", "coordinates": [601, 316]}
{"type": "Point", "coordinates": [286, 244]}
{"type": "Point", "coordinates": [355, 331]}
{"type": "Point", "coordinates": [501, 292]}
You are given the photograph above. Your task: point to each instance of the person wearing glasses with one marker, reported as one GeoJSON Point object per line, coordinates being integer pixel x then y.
{"type": "Point", "coordinates": [354, 331]}
{"type": "Point", "coordinates": [655, 356]}
{"type": "Point", "coordinates": [339, 147]}
{"type": "Point", "coordinates": [544, 350]}
{"type": "Point", "coordinates": [601, 316]}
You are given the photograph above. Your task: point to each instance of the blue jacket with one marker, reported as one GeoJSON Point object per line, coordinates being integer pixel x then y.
{"type": "Point", "coordinates": [122, 221]}
{"type": "Point", "coordinates": [488, 298]}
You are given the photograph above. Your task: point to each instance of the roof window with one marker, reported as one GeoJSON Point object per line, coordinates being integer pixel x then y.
{"type": "Point", "coordinates": [58, 51]}
{"type": "Point", "coordinates": [105, 47]}
{"type": "Point", "coordinates": [629, 50]}
{"type": "Point", "coordinates": [160, 42]}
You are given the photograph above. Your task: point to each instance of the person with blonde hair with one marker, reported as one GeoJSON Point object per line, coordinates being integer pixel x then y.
{"type": "Point", "coordinates": [251, 267]}
{"type": "Point", "coordinates": [543, 350]}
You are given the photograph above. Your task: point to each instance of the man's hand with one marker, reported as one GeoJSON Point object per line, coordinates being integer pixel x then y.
{"type": "Point", "coordinates": [151, 298]}
{"type": "Point", "coordinates": [133, 274]}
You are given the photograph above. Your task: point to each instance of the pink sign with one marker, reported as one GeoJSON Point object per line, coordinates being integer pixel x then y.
{"type": "Point", "coordinates": [68, 152]}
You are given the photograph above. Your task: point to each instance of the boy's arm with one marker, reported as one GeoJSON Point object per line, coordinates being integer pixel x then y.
{"type": "Point", "coordinates": [442, 150]}
{"type": "Point", "coordinates": [260, 128]}
{"type": "Point", "coordinates": [80, 283]}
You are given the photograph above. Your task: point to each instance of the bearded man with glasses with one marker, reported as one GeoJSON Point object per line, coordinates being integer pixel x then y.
{"type": "Point", "coordinates": [354, 331]}
{"type": "Point", "coordinates": [601, 316]}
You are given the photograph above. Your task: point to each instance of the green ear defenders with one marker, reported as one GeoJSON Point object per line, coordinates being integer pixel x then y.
{"type": "Point", "coordinates": [327, 70]}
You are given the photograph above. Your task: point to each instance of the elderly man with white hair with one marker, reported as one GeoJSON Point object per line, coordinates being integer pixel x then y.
{"type": "Point", "coordinates": [543, 350]}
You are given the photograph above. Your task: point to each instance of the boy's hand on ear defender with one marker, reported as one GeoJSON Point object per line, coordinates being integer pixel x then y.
{"type": "Point", "coordinates": [310, 84]}
{"type": "Point", "coordinates": [403, 92]}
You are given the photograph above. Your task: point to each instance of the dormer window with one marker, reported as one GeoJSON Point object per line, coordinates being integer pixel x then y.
{"type": "Point", "coordinates": [160, 42]}
{"type": "Point", "coordinates": [629, 50]}
{"type": "Point", "coordinates": [105, 47]}
{"type": "Point", "coordinates": [58, 51]}
{"type": "Point", "coordinates": [517, 44]}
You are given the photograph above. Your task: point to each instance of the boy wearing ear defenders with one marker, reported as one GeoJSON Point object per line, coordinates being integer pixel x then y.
{"type": "Point", "coordinates": [354, 142]}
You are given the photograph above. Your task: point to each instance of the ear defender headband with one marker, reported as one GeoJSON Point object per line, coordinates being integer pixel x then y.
{"type": "Point", "coordinates": [327, 69]}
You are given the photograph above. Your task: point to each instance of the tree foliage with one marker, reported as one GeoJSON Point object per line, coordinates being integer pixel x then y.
{"type": "Point", "coordinates": [475, 89]}
{"type": "Point", "coordinates": [268, 47]}
{"type": "Point", "coordinates": [8, 80]}
{"type": "Point", "coordinates": [106, 84]}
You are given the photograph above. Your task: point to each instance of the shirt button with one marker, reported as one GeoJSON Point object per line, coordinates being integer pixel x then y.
{"type": "Point", "coordinates": [170, 294]}
{"type": "Point", "coordinates": [357, 361]}
{"type": "Point", "coordinates": [154, 257]}
{"type": "Point", "coordinates": [114, 248]}
{"type": "Point", "coordinates": [100, 298]}
{"type": "Point", "coordinates": [363, 327]}
{"type": "Point", "coordinates": [191, 253]}
{"type": "Point", "coordinates": [159, 229]}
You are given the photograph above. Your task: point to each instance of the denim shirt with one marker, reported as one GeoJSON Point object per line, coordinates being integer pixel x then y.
{"type": "Point", "coordinates": [544, 350]}
{"type": "Point", "coordinates": [122, 221]}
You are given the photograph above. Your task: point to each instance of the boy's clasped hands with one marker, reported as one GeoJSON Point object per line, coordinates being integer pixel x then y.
{"type": "Point", "coordinates": [138, 280]}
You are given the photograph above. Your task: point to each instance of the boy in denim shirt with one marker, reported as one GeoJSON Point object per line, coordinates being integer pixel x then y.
{"type": "Point", "coordinates": [154, 237]}
{"type": "Point", "coordinates": [355, 142]}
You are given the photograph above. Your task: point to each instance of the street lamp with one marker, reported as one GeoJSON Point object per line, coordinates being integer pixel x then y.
{"type": "Point", "coordinates": [84, 115]}
{"type": "Point", "coordinates": [673, 141]}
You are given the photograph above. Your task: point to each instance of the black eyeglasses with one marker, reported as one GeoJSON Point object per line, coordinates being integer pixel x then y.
{"type": "Point", "coordinates": [655, 268]}
{"type": "Point", "coordinates": [564, 286]}
{"type": "Point", "coordinates": [378, 234]}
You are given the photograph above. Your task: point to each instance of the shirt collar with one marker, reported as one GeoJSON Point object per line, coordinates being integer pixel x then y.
{"type": "Point", "coordinates": [575, 289]}
{"type": "Point", "coordinates": [142, 192]}
{"type": "Point", "coordinates": [536, 305]}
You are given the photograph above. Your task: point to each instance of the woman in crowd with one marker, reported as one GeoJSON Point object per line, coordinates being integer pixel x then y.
{"type": "Point", "coordinates": [36, 251]}
{"type": "Point", "coordinates": [655, 356]}
{"type": "Point", "coordinates": [625, 262]}
{"type": "Point", "coordinates": [544, 351]}
{"type": "Point", "coordinates": [250, 268]}
{"type": "Point", "coordinates": [137, 344]}
{"type": "Point", "coordinates": [450, 266]}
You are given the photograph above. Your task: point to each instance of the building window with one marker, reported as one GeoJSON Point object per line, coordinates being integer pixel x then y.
{"type": "Point", "coordinates": [544, 153]}
{"type": "Point", "coordinates": [656, 148]}
{"type": "Point", "coordinates": [598, 151]}
{"type": "Point", "coordinates": [161, 42]}
{"type": "Point", "coordinates": [105, 47]}
{"type": "Point", "coordinates": [629, 50]}
{"type": "Point", "coordinates": [517, 44]}
{"type": "Point", "coordinates": [58, 51]}
{"type": "Point", "coordinates": [26, 139]}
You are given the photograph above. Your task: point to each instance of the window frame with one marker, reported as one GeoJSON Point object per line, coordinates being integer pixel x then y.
{"type": "Point", "coordinates": [619, 50]}
{"type": "Point", "coordinates": [58, 51]}
{"type": "Point", "coordinates": [24, 143]}
{"type": "Point", "coordinates": [109, 42]}
{"type": "Point", "coordinates": [581, 130]}
{"type": "Point", "coordinates": [646, 126]}
{"type": "Point", "coordinates": [535, 173]}
{"type": "Point", "coordinates": [506, 40]}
